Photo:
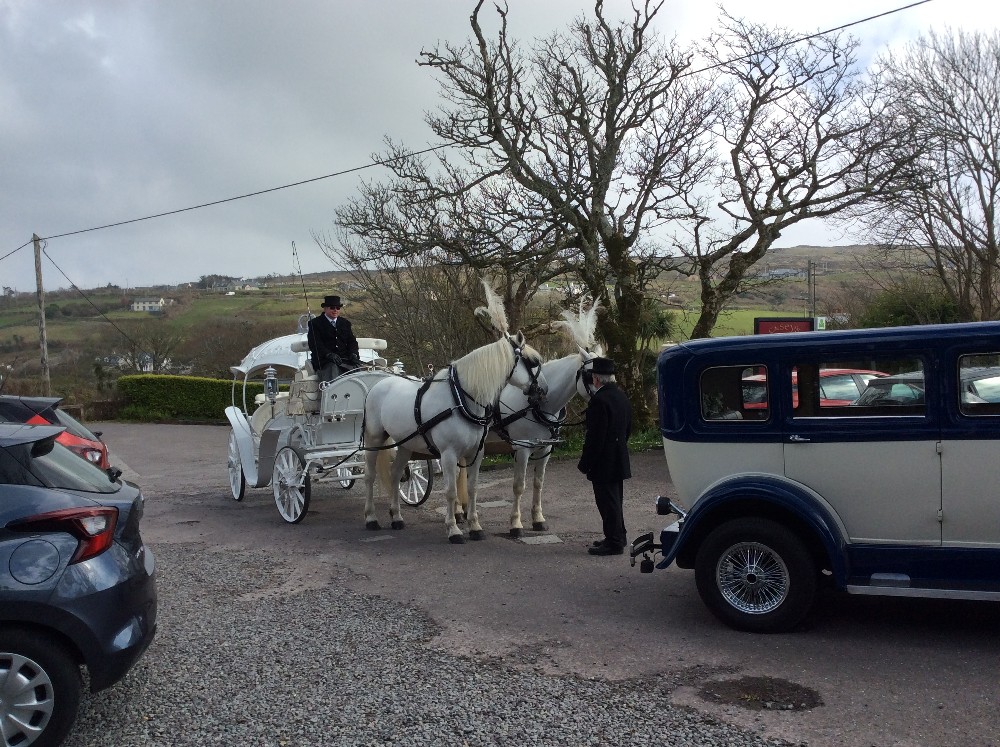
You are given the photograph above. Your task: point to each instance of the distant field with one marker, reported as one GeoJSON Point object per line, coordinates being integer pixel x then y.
{"type": "Point", "coordinates": [736, 322]}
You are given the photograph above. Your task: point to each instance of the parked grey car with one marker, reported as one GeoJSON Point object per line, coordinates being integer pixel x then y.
{"type": "Point", "coordinates": [77, 584]}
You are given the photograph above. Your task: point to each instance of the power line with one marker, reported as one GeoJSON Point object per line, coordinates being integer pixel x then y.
{"type": "Point", "coordinates": [385, 162]}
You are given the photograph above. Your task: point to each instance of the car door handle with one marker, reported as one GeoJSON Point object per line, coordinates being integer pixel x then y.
{"type": "Point", "coordinates": [798, 439]}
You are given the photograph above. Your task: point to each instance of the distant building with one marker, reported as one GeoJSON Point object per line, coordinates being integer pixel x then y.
{"type": "Point", "coordinates": [154, 305]}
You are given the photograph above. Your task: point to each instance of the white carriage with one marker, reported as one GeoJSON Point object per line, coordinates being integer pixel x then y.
{"type": "Point", "coordinates": [298, 432]}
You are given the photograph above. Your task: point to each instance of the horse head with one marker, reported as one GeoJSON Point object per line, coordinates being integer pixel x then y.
{"type": "Point", "coordinates": [584, 387]}
{"type": "Point", "coordinates": [526, 373]}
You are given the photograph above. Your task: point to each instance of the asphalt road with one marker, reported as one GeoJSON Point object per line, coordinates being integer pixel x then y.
{"type": "Point", "coordinates": [887, 672]}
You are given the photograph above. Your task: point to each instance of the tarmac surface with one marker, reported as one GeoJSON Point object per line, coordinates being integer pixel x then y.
{"type": "Point", "coordinates": [861, 671]}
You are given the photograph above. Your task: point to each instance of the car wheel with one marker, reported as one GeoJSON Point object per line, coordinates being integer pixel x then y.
{"type": "Point", "coordinates": [756, 575]}
{"type": "Point", "coordinates": [39, 690]}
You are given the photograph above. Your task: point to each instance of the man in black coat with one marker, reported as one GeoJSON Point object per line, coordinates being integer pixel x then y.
{"type": "Point", "coordinates": [605, 459]}
{"type": "Point", "coordinates": [333, 348]}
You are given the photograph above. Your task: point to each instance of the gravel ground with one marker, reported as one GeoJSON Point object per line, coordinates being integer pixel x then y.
{"type": "Point", "coordinates": [235, 662]}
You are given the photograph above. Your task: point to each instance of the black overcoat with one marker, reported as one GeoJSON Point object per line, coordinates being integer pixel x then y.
{"type": "Point", "coordinates": [605, 445]}
{"type": "Point", "coordinates": [325, 340]}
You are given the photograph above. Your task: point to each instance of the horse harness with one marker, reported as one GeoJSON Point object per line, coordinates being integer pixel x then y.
{"type": "Point", "coordinates": [461, 398]}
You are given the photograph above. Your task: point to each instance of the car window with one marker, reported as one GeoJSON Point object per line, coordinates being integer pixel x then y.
{"type": "Point", "coordinates": [49, 464]}
{"type": "Point", "coordinates": [734, 393]}
{"type": "Point", "coordinates": [979, 379]}
{"type": "Point", "coordinates": [834, 388]}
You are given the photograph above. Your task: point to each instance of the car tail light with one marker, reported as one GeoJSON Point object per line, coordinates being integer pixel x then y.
{"type": "Point", "coordinates": [94, 528]}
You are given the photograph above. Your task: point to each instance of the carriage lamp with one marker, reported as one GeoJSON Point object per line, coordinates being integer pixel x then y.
{"type": "Point", "coordinates": [397, 367]}
{"type": "Point", "coordinates": [270, 384]}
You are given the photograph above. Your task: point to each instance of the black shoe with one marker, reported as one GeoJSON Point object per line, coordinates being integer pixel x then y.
{"type": "Point", "coordinates": [600, 543]}
{"type": "Point", "coordinates": [606, 550]}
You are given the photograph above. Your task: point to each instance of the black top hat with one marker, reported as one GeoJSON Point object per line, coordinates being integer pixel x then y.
{"type": "Point", "coordinates": [602, 366]}
{"type": "Point", "coordinates": [333, 301]}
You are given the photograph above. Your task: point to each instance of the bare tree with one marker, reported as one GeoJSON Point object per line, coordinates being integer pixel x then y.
{"type": "Point", "coordinates": [148, 346]}
{"type": "Point", "coordinates": [593, 133]}
{"type": "Point", "coordinates": [807, 138]}
{"type": "Point", "coordinates": [452, 216]}
{"type": "Point", "coordinates": [945, 90]}
{"type": "Point", "coordinates": [423, 308]}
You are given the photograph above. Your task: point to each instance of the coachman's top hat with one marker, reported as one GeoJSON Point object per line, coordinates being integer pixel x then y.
{"type": "Point", "coordinates": [601, 366]}
{"type": "Point", "coordinates": [332, 301]}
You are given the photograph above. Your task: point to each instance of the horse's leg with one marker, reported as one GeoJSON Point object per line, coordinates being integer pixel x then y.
{"type": "Point", "coordinates": [520, 468]}
{"type": "Point", "coordinates": [462, 491]}
{"type": "Point", "coordinates": [475, 530]}
{"type": "Point", "coordinates": [449, 470]}
{"type": "Point", "coordinates": [537, 519]}
{"type": "Point", "coordinates": [374, 463]}
{"type": "Point", "coordinates": [398, 468]}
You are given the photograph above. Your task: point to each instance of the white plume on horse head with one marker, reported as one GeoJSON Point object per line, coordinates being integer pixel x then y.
{"type": "Point", "coordinates": [582, 326]}
{"type": "Point", "coordinates": [493, 311]}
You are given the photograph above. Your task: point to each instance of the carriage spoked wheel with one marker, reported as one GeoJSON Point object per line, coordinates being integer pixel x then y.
{"type": "Point", "coordinates": [237, 482]}
{"type": "Point", "coordinates": [417, 482]}
{"type": "Point", "coordinates": [345, 477]}
{"type": "Point", "coordinates": [292, 486]}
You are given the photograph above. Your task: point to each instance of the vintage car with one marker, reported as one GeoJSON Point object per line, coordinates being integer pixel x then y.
{"type": "Point", "coordinates": [884, 496]}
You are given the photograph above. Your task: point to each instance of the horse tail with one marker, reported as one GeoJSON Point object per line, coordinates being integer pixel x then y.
{"type": "Point", "coordinates": [383, 466]}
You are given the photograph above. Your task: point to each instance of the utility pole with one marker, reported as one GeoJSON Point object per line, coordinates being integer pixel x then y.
{"type": "Point", "coordinates": [40, 293]}
{"type": "Point", "coordinates": [811, 284]}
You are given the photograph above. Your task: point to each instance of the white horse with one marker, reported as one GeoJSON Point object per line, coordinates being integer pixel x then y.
{"type": "Point", "coordinates": [447, 416]}
{"type": "Point", "coordinates": [531, 427]}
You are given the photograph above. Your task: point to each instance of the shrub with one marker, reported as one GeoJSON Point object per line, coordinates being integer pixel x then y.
{"type": "Point", "coordinates": [160, 397]}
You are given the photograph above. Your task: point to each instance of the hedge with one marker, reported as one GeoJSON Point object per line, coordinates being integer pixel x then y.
{"type": "Point", "coordinates": [161, 397]}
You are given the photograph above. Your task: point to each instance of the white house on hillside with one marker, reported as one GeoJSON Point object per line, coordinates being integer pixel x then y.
{"type": "Point", "coordinates": [149, 304]}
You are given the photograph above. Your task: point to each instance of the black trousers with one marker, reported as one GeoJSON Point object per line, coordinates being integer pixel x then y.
{"type": "Point", "coordinates": [610, 497]}
{"type": "Point", "coordinates": [329, 372]}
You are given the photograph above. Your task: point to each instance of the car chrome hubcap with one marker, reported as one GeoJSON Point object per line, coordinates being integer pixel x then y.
{"type": "Point", "coordinates": [752, 578]}
{"type": "Point", "coordinates": [25, 700]}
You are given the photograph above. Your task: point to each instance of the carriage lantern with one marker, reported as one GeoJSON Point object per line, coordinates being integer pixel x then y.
{"type": "Point", "coordinates": [397, 367]}
{"type": "Point", "coordinates": [270, 384]}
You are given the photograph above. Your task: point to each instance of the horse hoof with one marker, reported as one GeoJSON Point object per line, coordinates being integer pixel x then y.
{"type": "Point", "coordinates": [477, 534]}
{"type": "Point", "coordinates": [372, 525]}
{"type": "Point", "coordinates": [515, 533]}
{"type": "Point", "coordinates": [457, 539]}
{"type": "Point", "coordinates": [398, 524]}
{"type": "Point", "coordinates": [540, 526]}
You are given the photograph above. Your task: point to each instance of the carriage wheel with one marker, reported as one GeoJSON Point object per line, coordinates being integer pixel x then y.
{"type": "Point", "coordinates": [417, 482]}
{"type": "Point", "coordinates": [291, 485]}
{"type": "Point", "coordinates": [345, 476]}
{"type": "Point", "coordinates": [237, 482]}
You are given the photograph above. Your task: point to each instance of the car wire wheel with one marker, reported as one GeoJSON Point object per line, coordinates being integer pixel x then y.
{"type": "Point", "coordinates": [752, 578]}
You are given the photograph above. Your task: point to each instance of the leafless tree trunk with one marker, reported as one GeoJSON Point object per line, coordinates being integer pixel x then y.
{"type": "Point", "coordinates": [945, 90]}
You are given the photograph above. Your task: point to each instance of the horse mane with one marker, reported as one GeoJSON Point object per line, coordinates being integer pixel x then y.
{"type": "Point", "coordinates": [582, 326]}
{"type": "Point", "coordinates": [485, 371]}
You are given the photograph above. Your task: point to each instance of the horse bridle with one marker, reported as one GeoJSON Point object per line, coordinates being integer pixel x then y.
{"type": "Point", "coordinates": [534, 392]}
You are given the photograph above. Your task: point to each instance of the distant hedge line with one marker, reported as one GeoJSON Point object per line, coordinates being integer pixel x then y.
{"type": "Point", "coordinates": [160, 397]}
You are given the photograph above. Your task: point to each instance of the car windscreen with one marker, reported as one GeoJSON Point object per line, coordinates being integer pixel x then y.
{"type": "Point", "coordinates": [49, 464]}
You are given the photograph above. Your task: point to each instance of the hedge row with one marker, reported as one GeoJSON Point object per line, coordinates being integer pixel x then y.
{"type": "Point", "coordinates": [159, 397]}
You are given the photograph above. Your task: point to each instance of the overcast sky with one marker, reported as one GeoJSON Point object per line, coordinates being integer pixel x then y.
{"type": "Point", "coordinates": [111, 111]}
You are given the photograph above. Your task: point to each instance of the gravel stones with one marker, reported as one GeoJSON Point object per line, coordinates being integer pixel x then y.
{"type": "Point", "coordinates": [233, 666]}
